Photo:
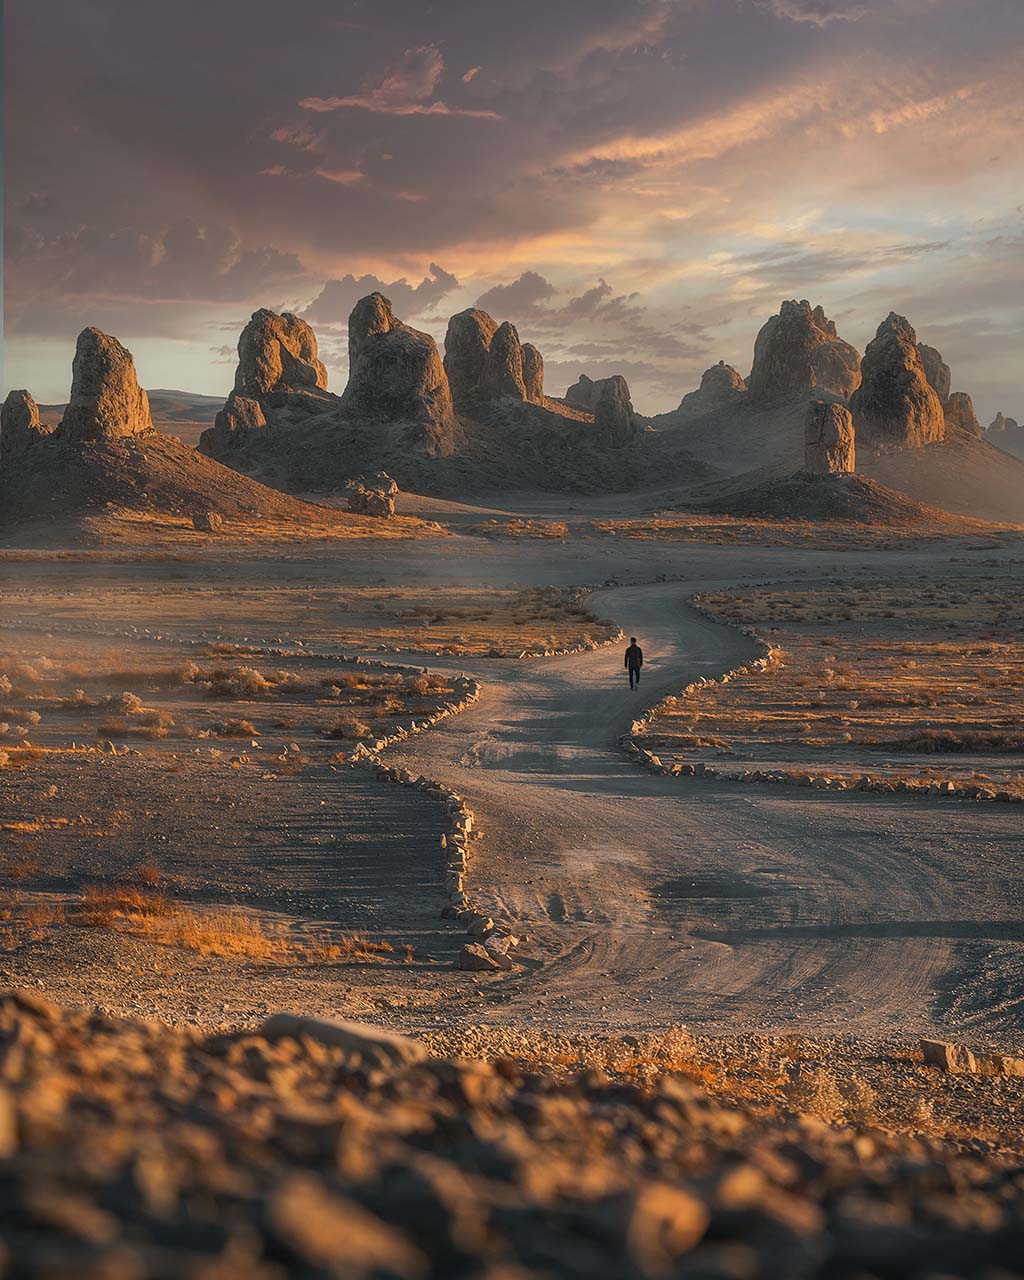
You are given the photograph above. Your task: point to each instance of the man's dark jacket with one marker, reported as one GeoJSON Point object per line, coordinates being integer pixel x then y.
{"type": "Point", "coordinates": [634, 658]}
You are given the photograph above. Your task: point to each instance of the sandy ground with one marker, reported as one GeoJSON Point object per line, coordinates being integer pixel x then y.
{"type": "Point", "coordinates": [648, 902]}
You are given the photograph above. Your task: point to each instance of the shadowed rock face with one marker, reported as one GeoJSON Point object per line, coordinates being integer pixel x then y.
{"type": "Point", "coordinates": [106, 401]}
{"type": "Point", "coordinates": [395, 373]}
{"type": "Point", "coordinates": [829, 439]}
{"type": "Point", "coordinates": [20, 427]}
{"type": "Point", "coordinates": [959, 412]}
{"type": "Point", "coordinates": [613, 413]}
{"type": "Point", "coordinates": [936, 371]}
{"type": "Point", "coordinates": [586, 392]}
{"type": "Point", "coordinates": [798, 352]}
{"type": "Point", "coordinates": [277, 353]}
{"type": "Point", "coordinates": [533, 372]}
{"type": "Point", "coordinates": [895, 404]}
{"type": "Point", "coordinates": [466, 347]}
{"type": "Point", "coordinates": [485, 361]}
{"type": "Point", "coordinates": [721, 385]}
{"type": "Point", "coordinates": [1006, 434]}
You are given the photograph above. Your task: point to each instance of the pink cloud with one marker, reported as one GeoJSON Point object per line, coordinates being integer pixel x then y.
{"type": "Point", "coordinates": [404, 91]}
{"type": "Point", "coordinates": [344, 177]}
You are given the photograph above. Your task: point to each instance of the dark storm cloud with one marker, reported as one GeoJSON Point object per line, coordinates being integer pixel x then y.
{"type": "Point", "coordinates": [520, 297]}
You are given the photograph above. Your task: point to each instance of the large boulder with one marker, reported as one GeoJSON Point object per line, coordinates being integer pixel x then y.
{"type": "Point", "coordinates": [895, 405]}
{"type": "Point", "coordinates": [396, 374]}
{"type": "Point", "coordinates": [585, 393]}
{"type": "Point", "coordinates": [959, 412]}
{"type": "Point", "coordinates": [106, 401]}
{"type": "Point", "coordinates": [613, 414]}
{"type": "Point", "coordinates": [277, 353]}
{"type": "Point", "coordinates": [829, 439]}
{"type": "Point", "coordinates": [20, 427]}
{"type": "Point", "coordinates": [720, 386]}
{"type": "Point", "coordinates": [797, 353]}
{"type": "Point", "coordinates": [533, 373]}
{"type": "Point", "coordinates": [936, 371]}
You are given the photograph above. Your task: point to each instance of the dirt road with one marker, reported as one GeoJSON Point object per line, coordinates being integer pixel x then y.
{"type": "Point", "coordinates": [651, 901]}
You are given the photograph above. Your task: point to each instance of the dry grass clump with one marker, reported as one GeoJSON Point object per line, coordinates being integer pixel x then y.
{"type": "Point", "coordinates": [349, 728]}
{"type": "Point", "coordinates": [233, 727]}
{"type": "Point", "coordinates": [551, 529]}
{"type": "Point", "coordinates": [229, 933]}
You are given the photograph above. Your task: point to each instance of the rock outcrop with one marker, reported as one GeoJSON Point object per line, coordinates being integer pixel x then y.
{"type": "Point", "coordinates": [1005, 433]}
{"type": "Point", "coordinates": [277, 353]}
{"type": "Point", "coordinates": [278, 367]}
{"type": "Point", "coordinates": [502, 375]}
{"type": "Point", "coordinates": [396, 374]}
{"type": "Point", "coordinates": [895, 405]}
{"type": "Point", "coordinates": [936, 371]}
{"type": "Point", "coordinates": [829, 439]}
{"type": "Point", "coordinates": [959, 412]}
{"type": "Point", "coordinates": [720, 386]}
{"type": "Point", "coordinates": [106, 401]}
{"type": "Point", "coordinates": [613, 413]}
{"type": "Point", "coordinates": [798, 352]}
{"type": "Point", "coordinates": [584, 393]}
{"type": "Point", "coordinates": [533, 373]}
{"type": "Point", "coordinates": [485, 361]}
{"type": "Point", "coordinates": [20, 427]}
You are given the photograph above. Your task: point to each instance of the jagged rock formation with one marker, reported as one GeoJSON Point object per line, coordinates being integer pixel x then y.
{"type": "Point", "coordinates": [586, 392]}
{"type": "Point", "coordinates": [958, 411]}
{"type": "Point", "coordinates": [895, 406]}
{"type": "Point", "coordinates": [936, 371]}
{"type": "Point", "coordinates": [277, 353]}
{"type": "Point", "coordinates": [395, 373]}
{"type": "Point", "coordinates": [829, 439]}
{"type": "Point", "coordinates": [278, 367]}
{"type": "Point", "coordinates": [720, 386]}
{"type": "Point", "coordinates": [20, 427]}
{"type": "Point", "coordinates": [1006, 434]}
{"type": "Point", "coordinates": [106, 401]}
{"type": "Point", "coordinates": [798, 352]}
{"type": "Point", "coordinates": [533, 373]}
{"type": "Point", "coordinates": [613, 413]}
{"type": "Point", "coordinates": [486, 361]}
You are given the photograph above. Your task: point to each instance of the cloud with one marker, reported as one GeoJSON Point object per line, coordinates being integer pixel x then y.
{"type": "Point", "coordinates": [337, 298]}
{"type": "Point", "coordinates": [404, 90]}
{"type": "Point", "coordinates": [818, 12]}
{"type": "Point", "coordinates": [518, 297]}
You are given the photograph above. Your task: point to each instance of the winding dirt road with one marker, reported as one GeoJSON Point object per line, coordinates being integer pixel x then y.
{"type": "Point", "coordinates": [653, 901]}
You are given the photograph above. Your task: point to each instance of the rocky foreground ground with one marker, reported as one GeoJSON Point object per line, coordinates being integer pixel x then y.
{"type": "Point", "coordinates": [129, 1149]}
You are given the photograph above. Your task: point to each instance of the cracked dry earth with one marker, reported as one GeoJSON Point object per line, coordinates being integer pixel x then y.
{"type": "Point", "coordinates": [855, 921]}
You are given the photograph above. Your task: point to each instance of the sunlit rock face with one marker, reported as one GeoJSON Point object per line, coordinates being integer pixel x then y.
{"type": "Point", "coordinates": [486, 361]}
{"type": "Point", "coordinates": [829, 448]}
{"type": "Point", "coordinates": [936, 371]}
{"type": "Point", "coordinates": [614, 417]}
{"type": "Point", "coordinates": [106, 400]}
{"type": "Point", "coordinates": [277, 353]}
{"type": "Point", "coordinates": [278, 365]}
{"type": "Point", "coordinates": [20, 427]}
{"type": "Point", "coordinates": [959, 412]}
{"type": "Point", "coordinates": [895, 405]}
{"type": "Point", "coordinates": [396, 374]}
{"type": "Point", "coordinates": [797, 353]}
{"type": "Point", "coordinates": [720, 386]}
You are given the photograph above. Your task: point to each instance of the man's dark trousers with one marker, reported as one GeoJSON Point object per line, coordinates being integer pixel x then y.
{"type": "Point", "coordinates": [634, 677]}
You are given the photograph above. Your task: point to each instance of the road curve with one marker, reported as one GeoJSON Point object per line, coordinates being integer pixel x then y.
{"type": "Point", "coordinates": [652, 901]}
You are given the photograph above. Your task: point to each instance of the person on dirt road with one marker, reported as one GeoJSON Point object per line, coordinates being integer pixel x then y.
{"type": "Point", "coordinates": [634, 661]}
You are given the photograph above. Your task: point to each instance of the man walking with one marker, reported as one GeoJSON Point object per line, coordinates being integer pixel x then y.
{"type": "Point", "coordinates": [634, 661]}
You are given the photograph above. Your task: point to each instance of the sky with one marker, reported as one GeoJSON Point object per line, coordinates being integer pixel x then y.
{"type": "Point", "coordinates": [637, 184]}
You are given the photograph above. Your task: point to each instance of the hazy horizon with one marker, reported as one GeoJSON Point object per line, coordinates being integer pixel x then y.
{"type": "Point", "coordinates": [637, 184]}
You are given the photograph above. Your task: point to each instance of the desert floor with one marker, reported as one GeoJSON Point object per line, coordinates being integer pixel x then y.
{"type": "Point", "coordinates": [647, 901]}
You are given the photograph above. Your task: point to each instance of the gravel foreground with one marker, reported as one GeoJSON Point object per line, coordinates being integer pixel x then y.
{"type": "Point", "coordinates": [132, 1149]}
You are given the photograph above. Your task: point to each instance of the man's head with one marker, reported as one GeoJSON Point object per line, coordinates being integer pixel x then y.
{"type": "Point", "coordinates": [632, 639]}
